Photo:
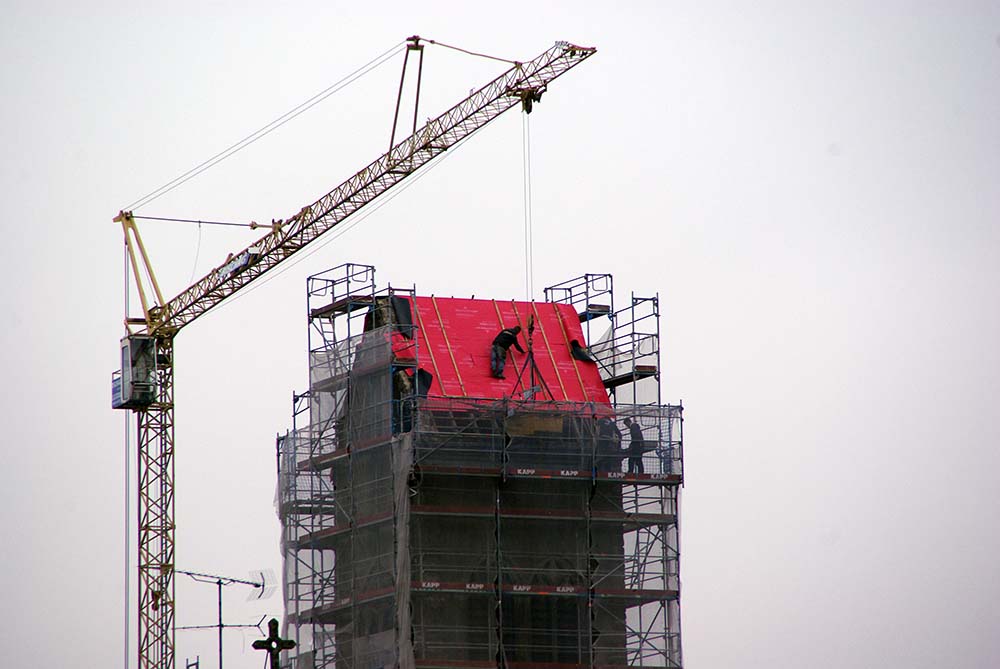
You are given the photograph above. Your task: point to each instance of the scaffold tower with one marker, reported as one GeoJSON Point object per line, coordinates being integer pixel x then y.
{"type": "Point", "coordinates": [434, 516]}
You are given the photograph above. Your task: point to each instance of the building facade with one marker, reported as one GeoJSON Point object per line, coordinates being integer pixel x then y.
{"type": "Point", "coordinates": [436, 516]}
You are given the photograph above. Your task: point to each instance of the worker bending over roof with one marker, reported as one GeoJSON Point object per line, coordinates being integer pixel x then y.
{"type": "Point", "coordinates": [498, 350]}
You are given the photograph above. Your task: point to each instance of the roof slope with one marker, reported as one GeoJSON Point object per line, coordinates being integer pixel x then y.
{"type": "Point", "coordinates": [454, 337]}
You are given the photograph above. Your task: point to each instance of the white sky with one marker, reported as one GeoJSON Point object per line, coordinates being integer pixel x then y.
{"type": "Point", "coordinates": [811, 190]}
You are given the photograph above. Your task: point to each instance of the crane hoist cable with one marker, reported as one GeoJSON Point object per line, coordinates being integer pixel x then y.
{"type": "Point", "coordinates": [529, 260]}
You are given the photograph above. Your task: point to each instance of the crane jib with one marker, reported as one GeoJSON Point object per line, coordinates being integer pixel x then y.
{"type": "Point", "coordinates": [523, 82]}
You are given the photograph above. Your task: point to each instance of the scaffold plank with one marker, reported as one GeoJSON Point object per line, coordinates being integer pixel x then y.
{"type": "Point", "coordinates": [639, 372]}
{"type": "Point", "coordinates": [592, 311]}
{"type": "Point", "coordinates": [343, 305]}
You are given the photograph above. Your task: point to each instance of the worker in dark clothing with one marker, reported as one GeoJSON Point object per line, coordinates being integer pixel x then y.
{"type": "Point", "coordinates": [609, 450]}
{"type": "Point", "coordinates": [579, 352]}
{"type": "Point", "coordinates": [635, 448]}
{"type": "Point", "coordinates": [498, 350]}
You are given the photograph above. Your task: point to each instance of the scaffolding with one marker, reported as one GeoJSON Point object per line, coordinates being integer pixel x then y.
{"type": "Point", "coordinates": [428, 531]}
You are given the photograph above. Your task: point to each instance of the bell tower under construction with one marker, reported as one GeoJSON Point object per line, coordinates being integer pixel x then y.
{"type": "Point", "coordinates": [436, 516]}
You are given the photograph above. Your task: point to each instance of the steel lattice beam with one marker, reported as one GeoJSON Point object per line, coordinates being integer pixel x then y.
{"type": "Point", "coordinates": [156, 517]}
{"type": "Point", "coordinates": [439, 134]}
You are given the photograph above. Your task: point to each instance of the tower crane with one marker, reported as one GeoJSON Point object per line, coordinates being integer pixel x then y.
{"type": "Point", "coordinates": [145, 382]}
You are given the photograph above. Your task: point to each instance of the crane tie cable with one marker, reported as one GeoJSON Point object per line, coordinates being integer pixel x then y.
{"type": "Point", "coordinates": [189, 220]}
{"type": "Point", "coordinates": [473, 53]}
{"type": "Point", "coordinates": [288, 116]}
{"type": "Point", "coordinates": [346, 227]}
{"type": "Point", "coordinates": [343, 228]}
{"type": "Point", "coordinates": [267, 129]}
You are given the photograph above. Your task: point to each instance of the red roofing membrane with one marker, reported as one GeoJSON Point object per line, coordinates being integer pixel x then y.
{"type": "Point", "coordinates": [454, 337]}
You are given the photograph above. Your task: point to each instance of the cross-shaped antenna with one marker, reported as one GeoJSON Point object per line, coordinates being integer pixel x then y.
{"type": "Point", "coordinates": [273, 644]}
{"type": "Point", "coordinates": [220, 581]}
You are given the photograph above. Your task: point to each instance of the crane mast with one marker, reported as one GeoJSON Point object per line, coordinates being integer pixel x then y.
{"type": "Point", "coordinates": [145, 383]}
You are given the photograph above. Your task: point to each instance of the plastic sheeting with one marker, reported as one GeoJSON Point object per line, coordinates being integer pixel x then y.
{"type": "Point", "coordinates": [402, 449]}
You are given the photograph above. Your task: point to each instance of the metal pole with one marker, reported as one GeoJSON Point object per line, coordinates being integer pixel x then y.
{"type": "Point", "coordinates": [420, 71]}
{"type": "Point", "coordinates": [219, 584]}
{"type": "Point", "coordinates": [399, 98]}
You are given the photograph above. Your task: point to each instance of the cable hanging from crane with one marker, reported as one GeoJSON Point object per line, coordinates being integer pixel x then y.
{"type": "Point", "coordinates": [529, 260]}
{"type": "Point", "coordinates": [197, 254]}
{"type": "Point", "coordinates": [379, 60]}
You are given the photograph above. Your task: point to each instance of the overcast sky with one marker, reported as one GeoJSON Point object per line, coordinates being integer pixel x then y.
{"type": "Point", "coordinates": [812, 191]}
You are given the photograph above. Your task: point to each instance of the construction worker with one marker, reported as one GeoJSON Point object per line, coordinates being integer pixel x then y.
{"type": "Point", "coordinates": [635, 448]}
{"type": "Point", "coordinates": [498, 350]}
{"type": "Point", "coordinates": [609, 451]}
